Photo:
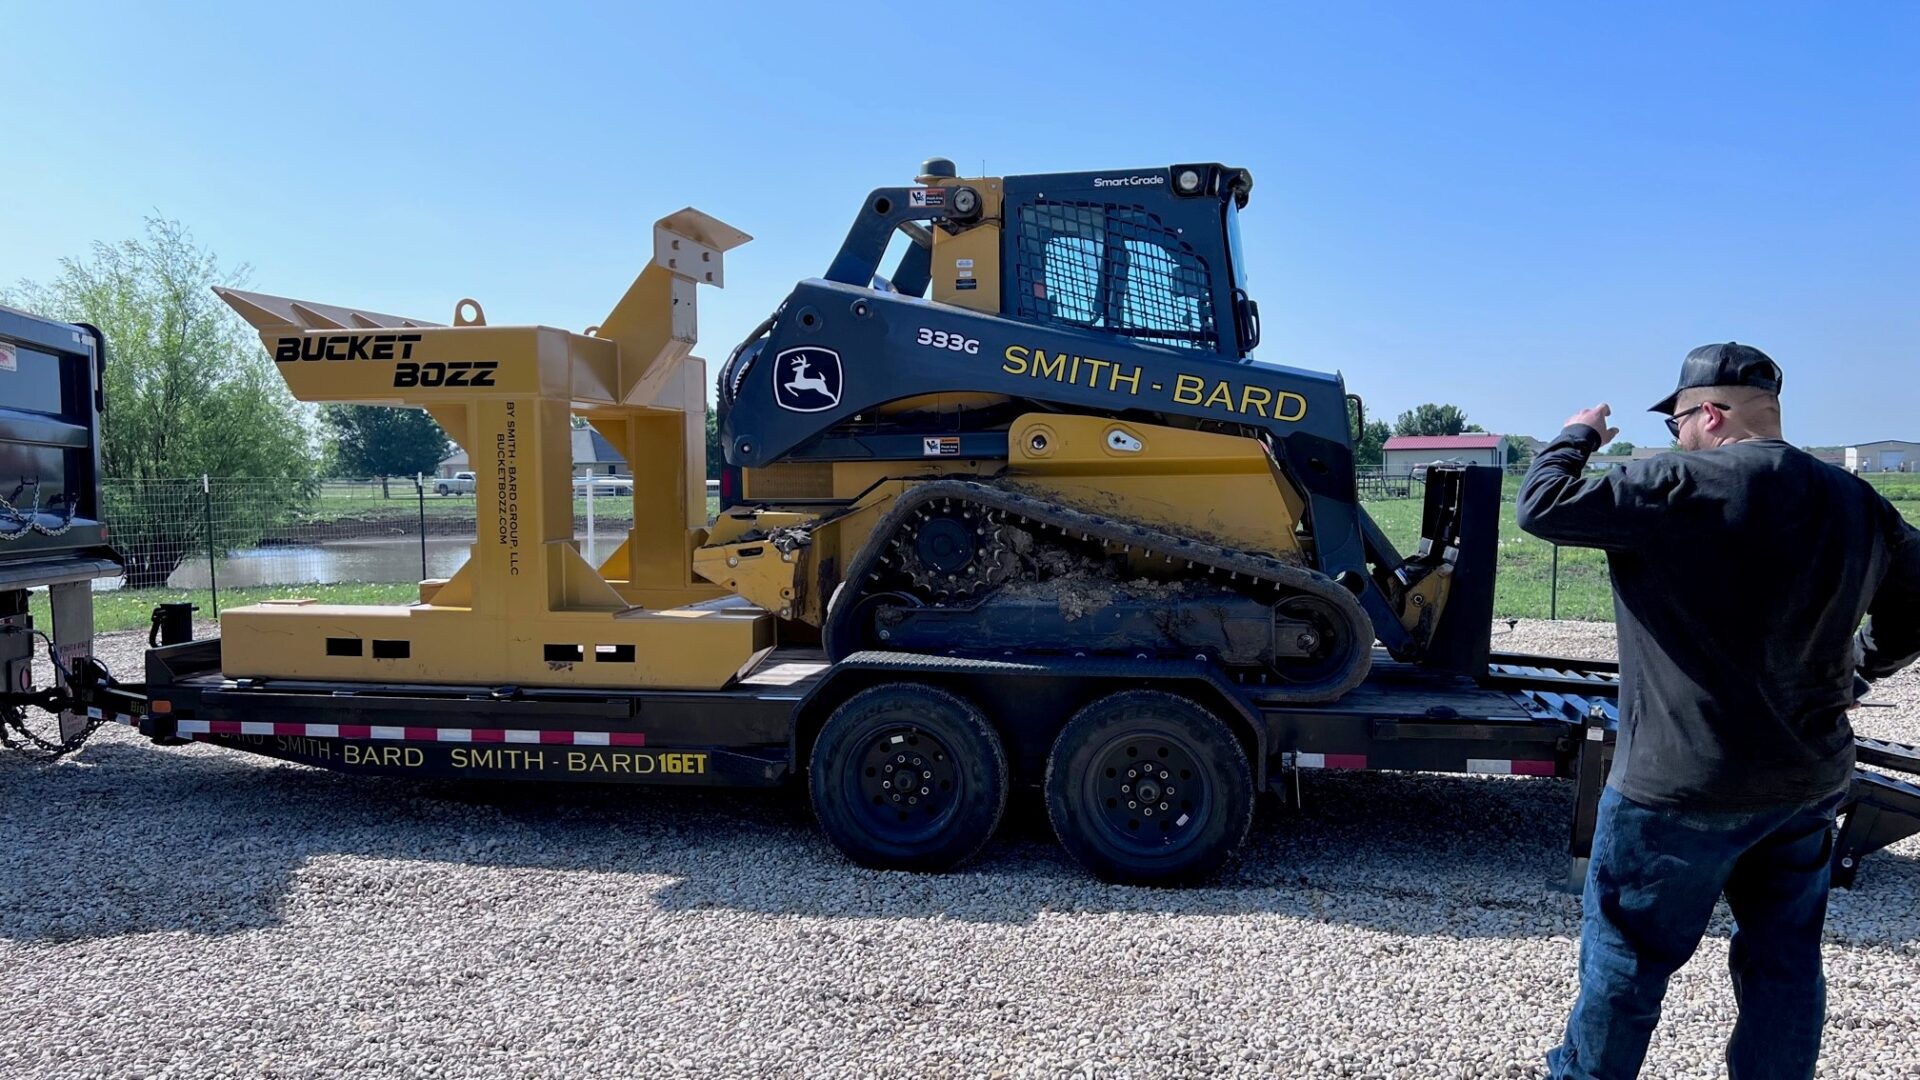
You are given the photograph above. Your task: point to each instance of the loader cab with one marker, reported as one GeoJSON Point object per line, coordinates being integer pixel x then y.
{"type": "Point", "coordinates": [1151, 255]}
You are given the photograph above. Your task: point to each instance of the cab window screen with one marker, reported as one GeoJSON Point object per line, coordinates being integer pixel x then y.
{"type": "Point", "coordinates": [1116, 269]}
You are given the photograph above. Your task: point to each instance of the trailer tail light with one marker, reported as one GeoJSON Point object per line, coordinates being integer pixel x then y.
{"type": "Point", "coordinates": [159, 707]}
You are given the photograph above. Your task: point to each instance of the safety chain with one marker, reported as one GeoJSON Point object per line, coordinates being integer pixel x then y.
{"type": "Point", "coordinates": [14, 732]}
{"type": "Point", "coordinates": [30, 521]}
{"type": "Point", "coordinates": [25, 740]}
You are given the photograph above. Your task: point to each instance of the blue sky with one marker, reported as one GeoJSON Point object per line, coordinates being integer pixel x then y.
{"type": "Point", "coordinates": [1518, 208]}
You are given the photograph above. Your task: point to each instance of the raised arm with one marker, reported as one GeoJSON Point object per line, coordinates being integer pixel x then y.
{"type": "Point", "coordinates": [1559, 503]}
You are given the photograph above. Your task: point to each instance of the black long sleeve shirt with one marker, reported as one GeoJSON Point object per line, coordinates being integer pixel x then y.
{"type": "Point", "coordinates": [1740, 575]}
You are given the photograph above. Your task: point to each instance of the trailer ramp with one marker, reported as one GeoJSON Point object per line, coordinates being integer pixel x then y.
{"type": "Point", "coordinates": [1879, 810]}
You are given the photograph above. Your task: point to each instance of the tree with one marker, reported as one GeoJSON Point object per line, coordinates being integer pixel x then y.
{"type": "Point", "coordinates": [715, 461]}
{"type": "Point", "coordinates": [189, 391]}
{"type": "Point", "coordinates": [1432, 419]}
{"type": "Point", "coordinates": [377, 440]}
{"type": "Point", "coordinates": [1372, 437]}
{"type": "Point", "coordinates": [1620, 449]}
{"type": "Point", "coordinates": [1517, 451]}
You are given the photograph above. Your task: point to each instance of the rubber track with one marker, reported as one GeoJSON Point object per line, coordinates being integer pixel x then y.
{"type": "Point", "coordinates": [1079, 524]}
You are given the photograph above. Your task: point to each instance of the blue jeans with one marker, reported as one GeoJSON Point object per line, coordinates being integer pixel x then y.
{"type": "Point", "coordinates": [1651, 889]}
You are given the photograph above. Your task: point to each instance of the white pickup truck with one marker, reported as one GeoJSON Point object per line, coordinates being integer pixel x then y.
{"type": "Point", "coordinates": [460, 483]}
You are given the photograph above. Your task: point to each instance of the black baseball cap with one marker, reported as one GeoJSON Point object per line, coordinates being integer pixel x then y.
{"type": "Point", "coordinates": [1731, 364]}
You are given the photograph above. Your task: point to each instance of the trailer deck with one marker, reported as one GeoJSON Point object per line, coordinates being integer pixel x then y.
{"type": "Point", "coordinates": [1529, 716]}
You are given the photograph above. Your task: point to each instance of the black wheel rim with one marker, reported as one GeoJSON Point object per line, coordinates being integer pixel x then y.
{"type": "Point", "coordinates": [1147, 793]}
{"type": "Point", "coordinates": [903, 787]}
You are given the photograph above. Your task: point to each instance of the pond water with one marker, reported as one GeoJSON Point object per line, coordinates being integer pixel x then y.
{"type": "Point", "coordinates": [372, 559]}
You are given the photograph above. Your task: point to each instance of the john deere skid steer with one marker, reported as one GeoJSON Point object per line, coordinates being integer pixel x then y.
{"type": "Point", "coordinates": [1043, 431]}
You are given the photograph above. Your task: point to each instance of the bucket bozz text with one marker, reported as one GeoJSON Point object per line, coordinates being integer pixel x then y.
{"type": "Point", "coordinates": [393, 347]}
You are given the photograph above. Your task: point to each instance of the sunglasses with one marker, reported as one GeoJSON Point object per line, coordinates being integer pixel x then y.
{"type": "Point", "coordinates": [1673, 422]}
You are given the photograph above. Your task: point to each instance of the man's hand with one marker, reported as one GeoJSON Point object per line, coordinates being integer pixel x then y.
{"type": "Point", "coordinates": [1595, 418]}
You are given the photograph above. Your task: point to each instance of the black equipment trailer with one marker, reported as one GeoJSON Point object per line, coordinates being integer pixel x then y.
{"type": "Point", "coordinates": [1528, 716]}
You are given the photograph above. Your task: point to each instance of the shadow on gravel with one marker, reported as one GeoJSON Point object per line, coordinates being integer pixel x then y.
{"type": "Point", "coordinates": [132, 838]}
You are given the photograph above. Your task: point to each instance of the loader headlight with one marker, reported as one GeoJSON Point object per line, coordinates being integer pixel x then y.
{"type": "Point", "coordinates": [1187, 181]}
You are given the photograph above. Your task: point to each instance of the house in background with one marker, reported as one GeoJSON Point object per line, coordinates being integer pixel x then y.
{"type": "Point", "coordinates": [1402, 453]}
{"type": "Point", "coordinates": [1887, 455]}
{"type": "Point", "coordinates": [592, 453]}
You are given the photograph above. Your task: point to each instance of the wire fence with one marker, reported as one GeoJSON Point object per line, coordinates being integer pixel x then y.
{"type": "Point", "coordinates": [220, 540]}
{"type": "Point", "coordinates": [1535, 579]}
{"type": "Point", "coordinates": [217, 541]}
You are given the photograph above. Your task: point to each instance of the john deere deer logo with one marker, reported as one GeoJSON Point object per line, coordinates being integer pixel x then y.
{"type": "Point", "coordinates": [807, 379]}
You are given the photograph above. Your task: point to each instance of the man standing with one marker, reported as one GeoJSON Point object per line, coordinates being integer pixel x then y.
{"type": "Point", "coordinates": [1741, 570]}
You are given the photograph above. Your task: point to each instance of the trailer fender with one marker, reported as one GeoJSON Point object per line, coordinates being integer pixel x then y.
{"type": "Point", "coordinates": [1028, 700]}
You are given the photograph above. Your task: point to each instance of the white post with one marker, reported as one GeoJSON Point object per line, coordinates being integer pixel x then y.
{"type": "Point", "coordinates": [590, 552]}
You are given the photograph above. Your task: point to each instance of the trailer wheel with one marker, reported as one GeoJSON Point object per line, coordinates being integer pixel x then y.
{"type": "Point", "coordinates": [906, 776]}
{"type": "Point", "coordinates": [1145, 787]}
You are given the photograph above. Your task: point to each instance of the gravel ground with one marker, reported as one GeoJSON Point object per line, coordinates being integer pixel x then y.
{"type": "Point", "coordinates": [195, 912]}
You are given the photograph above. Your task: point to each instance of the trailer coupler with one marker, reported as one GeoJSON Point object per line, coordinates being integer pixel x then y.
{"type": "Point", "coordinates": [85, 690]}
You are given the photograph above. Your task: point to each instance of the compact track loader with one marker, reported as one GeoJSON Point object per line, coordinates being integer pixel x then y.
{"type": "Point", "coordinates": [1041, 433]}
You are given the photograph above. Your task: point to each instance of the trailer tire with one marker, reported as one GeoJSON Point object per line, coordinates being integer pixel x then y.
{"type": "Point", "coordinates": [1146, 787]}
{"type": "Point", "coordinates": [953, 801]}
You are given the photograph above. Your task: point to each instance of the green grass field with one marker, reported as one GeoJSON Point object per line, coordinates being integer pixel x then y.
{"type": "Point", "coordinates": [332, 508]}
{"type": "Point", "coordinates": [1902, 490]}
{"type": "Point", "coordinates": [132, 609]}
{"type": "Point", "coordinates": [1525, 578]}
{"type": "Point", "coordinates": [1524, 583]}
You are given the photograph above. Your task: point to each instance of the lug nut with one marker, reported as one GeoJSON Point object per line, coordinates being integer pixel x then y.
{"type": "Point", "coordinates": [1131, 805]}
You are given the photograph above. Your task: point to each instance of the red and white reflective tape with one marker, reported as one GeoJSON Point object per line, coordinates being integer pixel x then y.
{"type": "Point", "coordinates": [1330, 761]}
{"type": "Point", "coordinates": [94, 712]}
{"type": "Point", "coordinates": [412, 734]}
{"type": "Point", "coordinates": [1510, 767]}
